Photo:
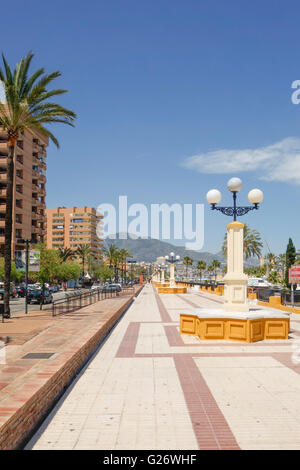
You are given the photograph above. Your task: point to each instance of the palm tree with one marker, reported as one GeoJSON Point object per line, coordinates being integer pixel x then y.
{"type": "Point", "coordinates": [187, 261]}
{"type": "Point", "coordinates": [210, 269]}
{"type": "Point", "coordinates": [25, 107]}
{"type": "Point", "coordinates": [65, 254]}
{"type": "Point", "coordinates": [201, 266]}
{"type": "Point", "coordinates": [83, 251]}
{"type": "Point", "coordinates": [215, 264]}
{"type": "Point", "coordinates": [113, 257]}
{"type": "Point", "coordinates": [124, 254]}
{"type": "Point", "coordinates": [271, 261]}
{"type": "Point", "coordinates": [252, 243]}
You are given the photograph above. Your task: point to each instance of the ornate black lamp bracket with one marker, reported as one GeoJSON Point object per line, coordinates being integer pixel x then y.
{"type": "Point", "coordinates": [234, 211]}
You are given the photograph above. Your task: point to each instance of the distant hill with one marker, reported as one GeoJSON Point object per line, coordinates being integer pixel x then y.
{"type": "Point", "coordinates": [148, 249]}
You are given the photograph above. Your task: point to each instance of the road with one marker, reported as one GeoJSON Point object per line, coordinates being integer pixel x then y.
{"type": "Point", "coordinates": [17, 305]}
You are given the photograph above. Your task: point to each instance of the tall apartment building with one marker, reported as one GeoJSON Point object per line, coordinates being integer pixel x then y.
{"type": "Point", "coordinates": [71, 227]}
{"type": "Point", "coordinates": [29, 219]}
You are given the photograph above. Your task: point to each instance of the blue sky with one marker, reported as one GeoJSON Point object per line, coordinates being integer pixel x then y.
{"type": "Point", "coordinates": [157, 82]}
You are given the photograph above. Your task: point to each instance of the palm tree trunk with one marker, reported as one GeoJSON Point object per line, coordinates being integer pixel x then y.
{"type": "Point", "coordinates": [8, 226]}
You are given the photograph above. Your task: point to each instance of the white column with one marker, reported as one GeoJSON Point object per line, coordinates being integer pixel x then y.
{"type": "Point", "coordinates": [235, 289]}
{"type": "Point", "coordinates": [172, 275]}
{"type": "Point", "coordinates": [163, 275]}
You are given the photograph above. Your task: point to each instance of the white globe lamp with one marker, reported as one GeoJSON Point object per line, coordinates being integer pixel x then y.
{"type": "Point", "coordinates": [213, 196]}
{"type": "Point", "coordinates": [234, 185]}
{"type": "Point", "coordinates": [255, 196]}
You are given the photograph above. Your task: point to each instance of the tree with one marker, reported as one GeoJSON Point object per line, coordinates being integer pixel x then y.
{"type": "Point", "coordinates": [210, 269]}
{"type": "Point", "coordinates": [215, 264]}
{"type": "Point", "coordinates": [66, 271]}
{"type": "Point", "coordinates": [252, 243]}
{"type": "Point", "coordinates": [103, 272]}
{"type": "Point", "coordinates": [290, 259]}
{"type": "Point", "coordinates": [124, 254]}
{"type": "Point", "coordinates": [49, 263]}
{"type": "Point", "coordinates": [66, 253]}
{"type": "Point", "coordinates": [83, 251]}
{"type": "Point", "coordinates": [25, 107]}
{"type": "Point", "coordinates": [256, 271]}
{"type": "Point", "coordinates": [201, 266]}
{"type": "Point", "coordinates": [280, 263]}
{"type": "Point", "coordinates": [187, 261]}
{"type": "Point", "coordinates": [271, 260]}
{"type": "Point", "coordinates": [274, 277]}
{"type": "Point", "coordinates": [113, 257]}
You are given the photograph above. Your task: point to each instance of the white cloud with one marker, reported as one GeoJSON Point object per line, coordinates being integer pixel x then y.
{"type": "Point", "coordinates": [277, 162]}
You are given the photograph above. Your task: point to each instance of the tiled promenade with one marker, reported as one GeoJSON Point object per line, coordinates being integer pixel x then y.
{"type": "Point", "coordinates": [148, 387]}
{"type": "Point", "coordinates": [42, 355]}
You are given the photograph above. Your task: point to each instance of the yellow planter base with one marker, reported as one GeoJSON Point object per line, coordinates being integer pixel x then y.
{"type": "Point", "coordinates": [235, 329]}
{"type": "Point", "coordinates": [172, 290]}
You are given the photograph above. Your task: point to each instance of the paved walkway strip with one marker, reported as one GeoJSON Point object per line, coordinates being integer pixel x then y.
{"type": "Point", "coordinates": [44, 354]}
{"type": "Point", "coordinates": [148, 387]}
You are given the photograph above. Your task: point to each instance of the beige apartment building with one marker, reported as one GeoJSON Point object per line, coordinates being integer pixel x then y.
{"type": "Point", "coordinates": [71, 227]}
{"type": "Point", "coordinates": [29, 219]}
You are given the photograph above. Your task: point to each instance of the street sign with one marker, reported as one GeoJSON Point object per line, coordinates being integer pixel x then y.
{"type": "Point", "coordinates": [294, 274]}
{"type": "Point", "coordinates": [33, 261]}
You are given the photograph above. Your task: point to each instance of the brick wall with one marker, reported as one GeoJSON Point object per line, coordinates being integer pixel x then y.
{"type": "Point", "coordinates": [18, 428]}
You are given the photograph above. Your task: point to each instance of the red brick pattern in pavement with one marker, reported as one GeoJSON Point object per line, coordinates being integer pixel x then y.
{"type": "Point", "coordinates": [210, 426]}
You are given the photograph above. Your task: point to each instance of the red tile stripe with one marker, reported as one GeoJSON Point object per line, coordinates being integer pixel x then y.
{"type": "Point", "coordinates": [174, 338]}
{"type": "Point", "coordinates": [210, 426]}
{"type": "Point", "coordinates": [129, 341]}
{"type": "Point", "coordinates": [165, 317]}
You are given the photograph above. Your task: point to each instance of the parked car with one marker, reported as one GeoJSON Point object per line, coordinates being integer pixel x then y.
{"type": "Point", "coordinates": [111, 288]}
{"type": "Point", "coordinates": [96, 286]}
{"type": "Point", "coordinates": [36, 296]}
{"type": "Point", "coordinates": [13, 292]}
{"type": "Point", "coordinates": [21, 291]}
{"type": "Point", "coordinates": [118, 287]}
{"type": "Point", "coordinates": [258, 282]}
{"type": "Point", "coordinates": [53, 288]}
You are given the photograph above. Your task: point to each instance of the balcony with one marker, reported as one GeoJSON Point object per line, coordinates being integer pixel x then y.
{"type": "Point", "coordinates": [3, 176]}
{"type": "Point", "coordinates": [20, 144]}
{"type": "Point", "coordinates": [3, 192]}
{"type": "Point", "coordinates": [42, 179]}
{"type": "Point", "coordinates": [2, 207]}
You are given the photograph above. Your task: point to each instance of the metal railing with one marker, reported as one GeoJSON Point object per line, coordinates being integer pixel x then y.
{"type": "Point", "coordinates": [286, 298]}
{"type": "Point", "coordinates": [264, 293]}
{"type": "Point", "coordinates": [76, 300]}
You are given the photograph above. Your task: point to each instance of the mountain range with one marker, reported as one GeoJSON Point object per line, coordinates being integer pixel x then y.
{"type": "Point", "coordinates": [148, 249]}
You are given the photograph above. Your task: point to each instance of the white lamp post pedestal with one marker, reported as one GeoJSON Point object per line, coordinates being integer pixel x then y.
{"type": "Point", "coordinates": [172, 275]}
{"type": "Point", "coordinates": [235, 289]}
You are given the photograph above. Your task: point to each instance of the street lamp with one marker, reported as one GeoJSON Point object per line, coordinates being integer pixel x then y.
{"type": "Point", "coordinates": [131, 262]}
{"type": "Point", "coordinates": [27, 242]}
{"type": "Point", "coordinates": [163, 268]}
{"type": "Point", "coordinates": [172, 259]}
{"type": "Point", "coordinates": [255, 197]}
{"type": "Point", "coordinates": [235, 293]}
